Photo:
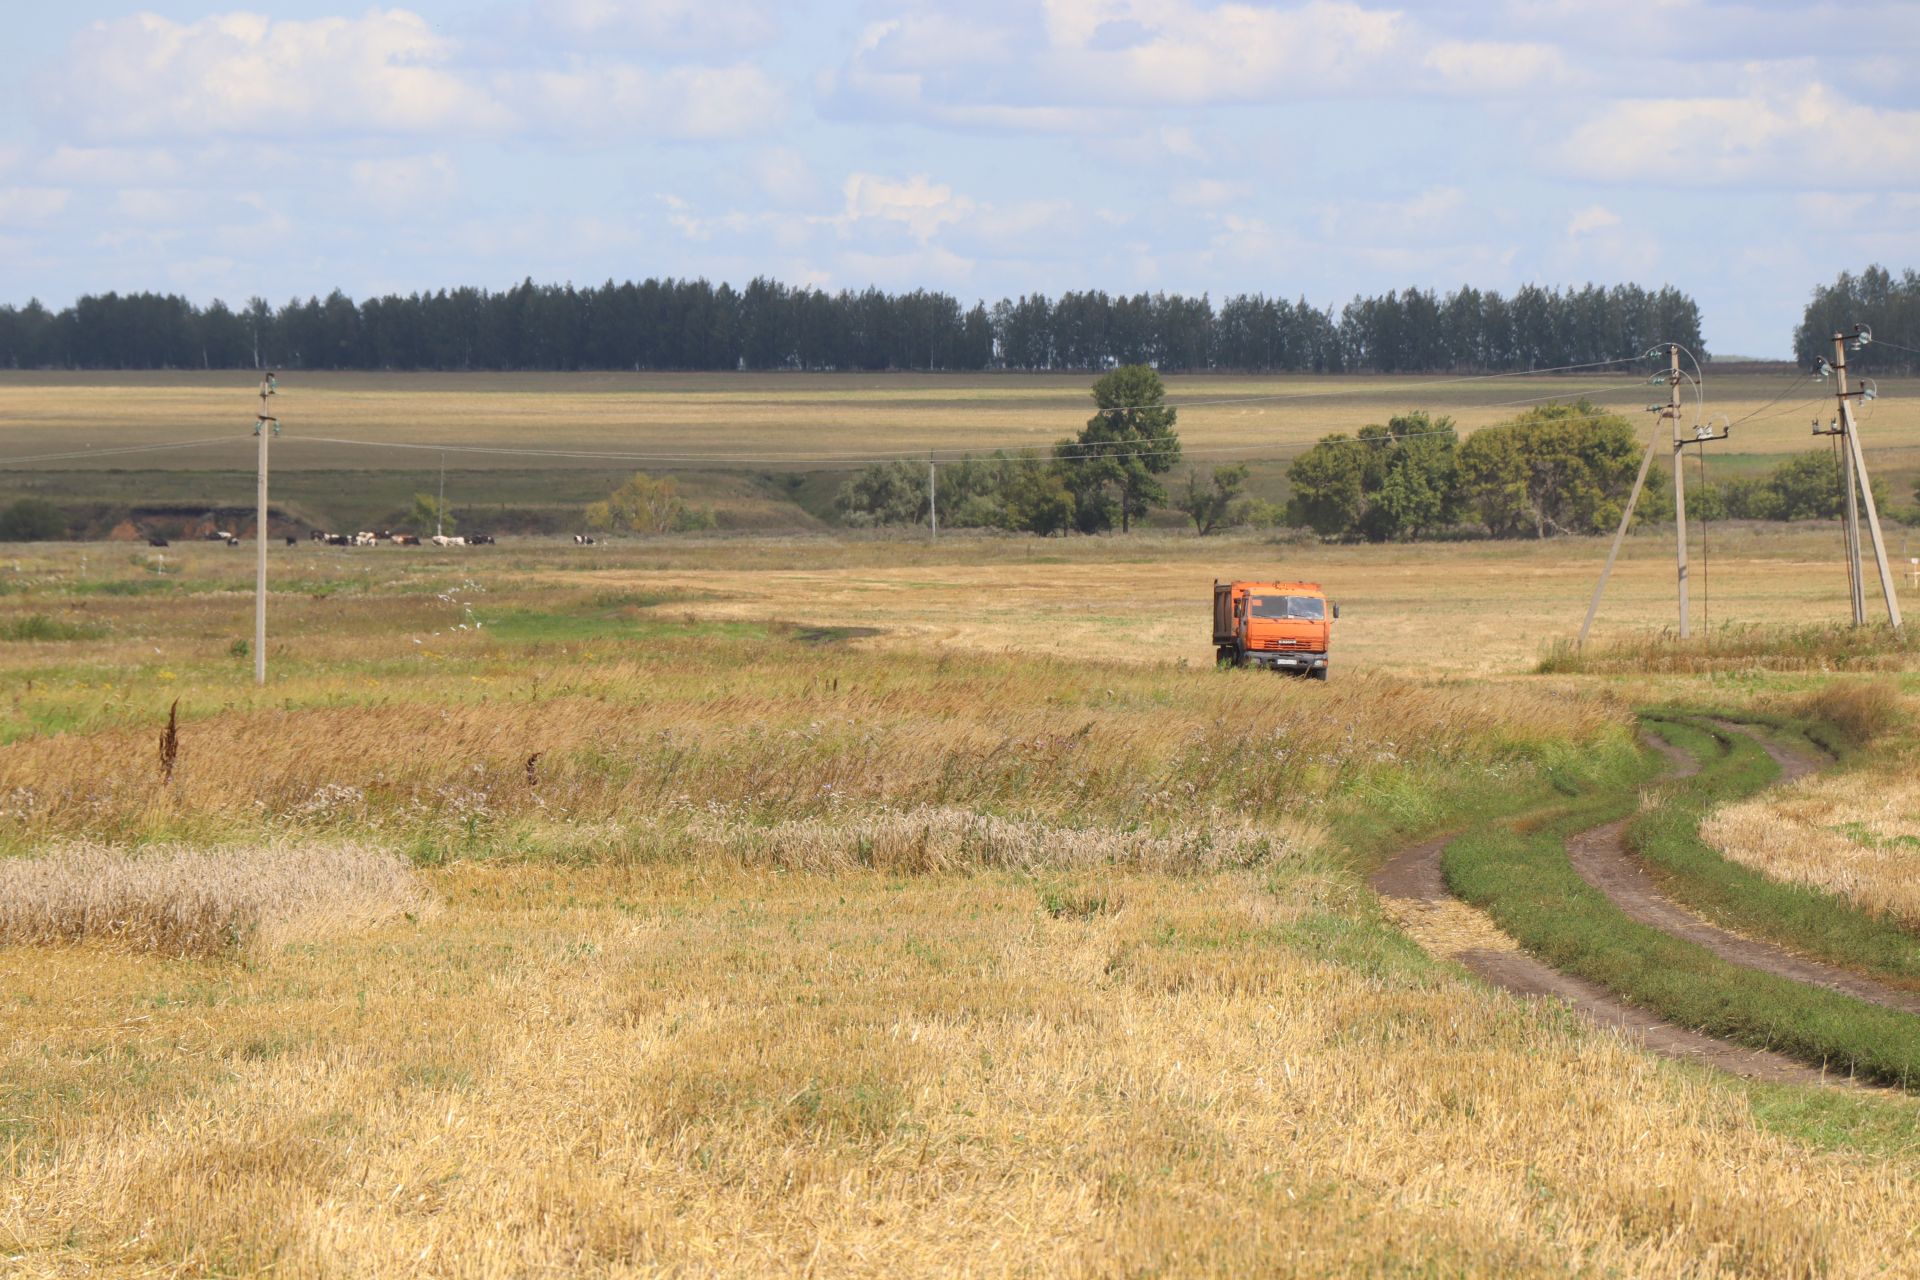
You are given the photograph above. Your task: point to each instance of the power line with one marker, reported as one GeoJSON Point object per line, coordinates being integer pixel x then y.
{"type": "Point", "coordinates": [1776, 400]}
{"type": "Point", "coordinates": [120, 452]}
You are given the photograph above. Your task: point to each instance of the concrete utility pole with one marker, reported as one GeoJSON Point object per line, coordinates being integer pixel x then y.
{"type": "Point", "coordinates": [1670, 411]}
{"type": "Point", "coordinates": [1619, 536]}
{"type": "Point", "coordinates": [1679, 478]}
{"type": "Point", "coordinates": [440, 507]}
{"type": "Point", "coordinates": [266, 426]}
{"type": "Point", "coordinates": [1859, 488]}
{"type": "Point", "coordinates": [933, 511]}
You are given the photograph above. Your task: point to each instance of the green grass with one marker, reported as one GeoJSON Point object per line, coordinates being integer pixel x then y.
{"type": "Point", "coordinates": [1667, 835]}
{"type": "Point", "coordinates": [38, 627]}
{"type": "Point", "coordinates": [1836, 1120]}
{"type": "Point", "coordinates": [1525, 881]}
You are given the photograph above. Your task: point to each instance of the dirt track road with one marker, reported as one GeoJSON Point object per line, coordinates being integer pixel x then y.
{"type": "Point", "coordinates": [1413, 880]}
{"type": "Point", "coordinates": [1602, 858]}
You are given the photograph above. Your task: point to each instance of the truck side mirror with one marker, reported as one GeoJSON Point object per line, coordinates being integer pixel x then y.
{"type": "Point", "coordinates": [1336, 609]}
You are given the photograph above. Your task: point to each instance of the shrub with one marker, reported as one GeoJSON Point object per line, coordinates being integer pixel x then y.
{"type": "Point", "coordinates": [32, 520]}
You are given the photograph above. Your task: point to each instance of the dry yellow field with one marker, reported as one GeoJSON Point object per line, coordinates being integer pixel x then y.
{"type": "Point", "coordinates": [829, 421]}
{"type": "Point", "coordinates": [1008, 939]}
{"type": "Point", "coordinates": [1477, 607]}
{"type": "Point", "coordinates": [1855, 833]}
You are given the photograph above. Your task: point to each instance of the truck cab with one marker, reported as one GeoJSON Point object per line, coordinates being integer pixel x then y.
{"type": "Point", "coordinates": [1281, 626]}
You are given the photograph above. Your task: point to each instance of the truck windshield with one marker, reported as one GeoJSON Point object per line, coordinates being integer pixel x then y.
{"type": "Point", "coordinates": [1286, 607]}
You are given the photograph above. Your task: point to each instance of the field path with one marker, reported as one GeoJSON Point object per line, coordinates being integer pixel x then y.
{"type": "Point", "coordinates": [1413, 878]}
{"type": "Point", "coordinates": [1412, 882]}
{"type": "Point", "coordinates": [1602, 858]}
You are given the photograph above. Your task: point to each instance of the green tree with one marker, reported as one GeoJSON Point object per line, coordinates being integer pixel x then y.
{"type": "Point", "coordinates": [32, 520]}
{"type": "Point", "coordinates": [1807, 486]}
{"type": "Point", "coordinates": [1418, 492]}
{"type": "Point", "coordinates": [1036, 498]}
{"type": "Point", "coordinates": [1112, 467]}
{"type": "Point", "coordinates": [1213, 504]}
{"type": "Point", "coordinates": [644, 504]}
{"type": "Point", "coordinates": [885, 493]}
{"type": "Point", "coordinates": [430, 515]}
{"type": "Point", "coordinates": [1559, 468]}
{"type": "Point", "coordinates": [1389, 482]}
{"type": "Point", "coordinates": [1329, 487]}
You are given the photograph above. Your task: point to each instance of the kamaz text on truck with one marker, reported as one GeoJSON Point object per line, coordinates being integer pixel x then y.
{"type": "Point", "coordinates": [1283, 626]}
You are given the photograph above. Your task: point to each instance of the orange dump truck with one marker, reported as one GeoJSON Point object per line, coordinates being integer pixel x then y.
{"type": "Point", "coordinates": [1283, 626]}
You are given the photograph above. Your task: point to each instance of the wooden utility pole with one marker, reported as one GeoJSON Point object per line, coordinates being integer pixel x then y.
{"type": "Point", "coordinates": [266, 426]}
{"type": "Point", "coordinates": [1860, 491]}
{"type": "Point", "coordinates": [933, 510]}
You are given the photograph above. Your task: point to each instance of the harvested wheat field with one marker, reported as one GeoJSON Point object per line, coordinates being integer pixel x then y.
{"type": "Point", "coordinates": [879, 912]}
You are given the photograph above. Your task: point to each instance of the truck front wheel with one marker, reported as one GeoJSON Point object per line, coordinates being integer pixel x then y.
{"type": "Point", "coordinates": [1319, 673]}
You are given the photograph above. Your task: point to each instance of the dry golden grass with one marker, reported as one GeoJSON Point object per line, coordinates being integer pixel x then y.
{"type": "Point", "coordinates": [805, 421]}
{"type": "Point", "coordinates": [1853, 832]}
{"type": "Point", "coordinates": [934, 952]}
{"type": "Point", "coordinates": [689, 733]}
{"type": "Point", "coordinates": [635, 1071]}
{"type": "Point", "coordinates": [202, 902]}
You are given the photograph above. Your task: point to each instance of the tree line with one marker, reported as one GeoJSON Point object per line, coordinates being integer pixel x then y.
{"type": "Point", "coordinates": [1886, 304]}
{"type": "Point", "coordinates": [1555, 469]}
{"type": "Point", "coordinates": [674, 324]}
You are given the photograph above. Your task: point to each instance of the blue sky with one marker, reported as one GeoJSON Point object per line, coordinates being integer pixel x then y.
{"type": "Point", "coordinates": [1742, 152]}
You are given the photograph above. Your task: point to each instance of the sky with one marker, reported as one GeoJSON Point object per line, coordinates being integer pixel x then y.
{"type": "Point", "coordinates": [1741, 152]}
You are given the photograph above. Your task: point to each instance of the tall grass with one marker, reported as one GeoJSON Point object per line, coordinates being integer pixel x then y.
{"type": "Point", "coordinates": [40, 628]}
{"type": "Point", "coordinates": [1739, 647]}
{"type": "Point", "coordinates": [750, 725]}
{"type": "Point", "coordinates": [201, 902]}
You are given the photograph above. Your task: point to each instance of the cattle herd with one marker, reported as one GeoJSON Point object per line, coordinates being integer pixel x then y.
{"type": "Point", "coordinates": [366, 538]}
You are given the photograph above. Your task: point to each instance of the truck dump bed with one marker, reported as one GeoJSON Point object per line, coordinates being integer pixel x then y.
{"type": "Point", "coordinates": [1223, 630]}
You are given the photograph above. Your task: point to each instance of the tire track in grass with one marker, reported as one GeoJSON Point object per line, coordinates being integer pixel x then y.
{"type": "Point", "coordinates": [1413, 878]}
{"type": "Point", "coordinates": [1602, 857]}
{"type": "Point", "coordinates": [1414, 881]}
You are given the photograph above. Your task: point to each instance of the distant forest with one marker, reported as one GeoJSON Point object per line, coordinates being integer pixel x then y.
{"type": "Point", "coordinates": [694, 325]}
{"type": "Point", "coordinates": [1888, 305]}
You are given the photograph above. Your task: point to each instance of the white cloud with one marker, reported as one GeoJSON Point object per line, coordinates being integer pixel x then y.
{"type": "Point", "coordinates": [1015, 119]}
{"type": "Point", "coordinates": [399, 184]}
{"type": "Point", "coordinates": [1180, 52]}
{"type": "Point", "coordinates": [1488, 66]}
{"type": "Point", "coordinates": [1434, 213]}
{"type": "Point", "coordinates": [1790, 136]}
{"type": "Point", "coordinates": [680, 102]}
{"type": "Point", "coordinates": [785, 176]}
{"type": "Point", "coordinates": [1595, 217]}
{"type": "Point", "coordinates": [917, 204]}
{"type": "Point", "coordinates": [146, 76]}
{"type": "Point", "coordinates": [1021, 221]}
{"type": "Point", "coordinates": [386, 73]}
{"type": "Point", "coordinates": [659, 24]}
{"type": "Point", "coordinates": [112, 166]}
{"type": "Point", "coordinates": [925, 41]}
{"type": "Point", "coordinates": [31, 204]}
{"type": "Point", "coordinates": [152, 205]}
{"type": "Point", "coordinates": [1204, 193]}
{"type": "Point", "coordinates": [929, 265]}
